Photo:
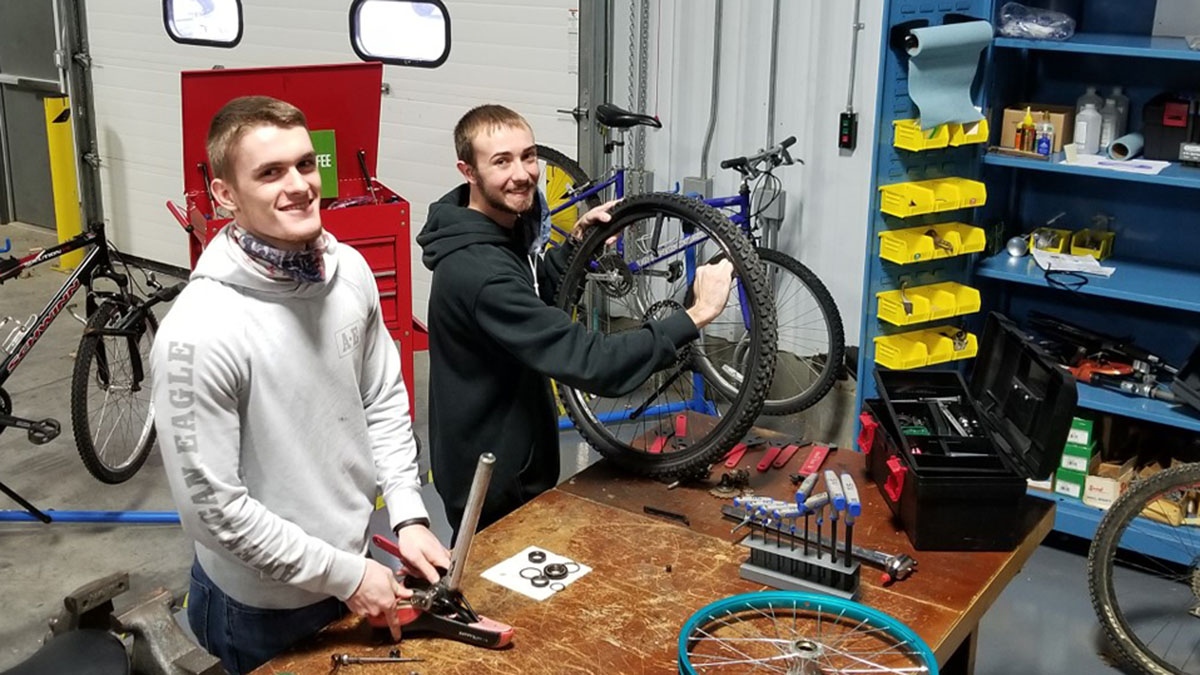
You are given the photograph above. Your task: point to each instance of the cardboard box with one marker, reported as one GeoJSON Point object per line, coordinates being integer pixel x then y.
{"type": "Point", "coordinates": [1069, 483]}
{"type": "Point", "coordinates": [1061, 116]}
{"type": "Point", "coordinates": [1043, 485]}
{"type": "Point", "coordinates": [1077, 457]}
{"type": "Point", "coordinates": [1081, 432]}
{"type": "Point", "coordinates": [1101, 491]}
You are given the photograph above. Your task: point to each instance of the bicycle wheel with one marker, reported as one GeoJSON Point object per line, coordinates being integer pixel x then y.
{"type": "Point", "coordinates": [111, 411]}
{"type": "Point", "coordinates": [811, 341]}
{"type": "Point", "coordinates": [561, 178]}
{"type": "Point", "coordinates": [1150, 606]}
{"type": "Point", "coordinates": [803, 633]}
{"type": "Point", "coordinates": [645, 276]}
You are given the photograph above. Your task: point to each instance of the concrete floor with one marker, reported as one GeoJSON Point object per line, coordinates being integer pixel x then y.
{"type": "Point", "coordinates": [1043, 623]}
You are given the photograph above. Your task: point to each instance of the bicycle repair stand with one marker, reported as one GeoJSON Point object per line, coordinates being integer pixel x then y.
{"type": "Point", "coordinates": [777, 559]}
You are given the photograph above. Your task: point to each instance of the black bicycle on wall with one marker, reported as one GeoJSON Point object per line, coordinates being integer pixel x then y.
{"type": "Point", "coordinates": [111, 412]}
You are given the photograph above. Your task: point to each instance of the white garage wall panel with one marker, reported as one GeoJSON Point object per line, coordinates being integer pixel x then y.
{"type": "Point", "coordinates": [827, 200]}
{"type": "Point", "coordinates": [514, 53]}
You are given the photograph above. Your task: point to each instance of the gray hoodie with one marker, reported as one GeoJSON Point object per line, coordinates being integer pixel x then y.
{"type": "Point", "coordinates": [281, 412]}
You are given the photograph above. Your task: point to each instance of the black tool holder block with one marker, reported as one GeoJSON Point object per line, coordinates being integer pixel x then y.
{"type": "Point", "coordinates": [777, 559]}
{"type": "Point", "coordinates": [967, 493]}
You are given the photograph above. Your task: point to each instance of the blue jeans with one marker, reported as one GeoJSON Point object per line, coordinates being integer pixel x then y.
{"type": "Point", "coordinates": [245, 637]}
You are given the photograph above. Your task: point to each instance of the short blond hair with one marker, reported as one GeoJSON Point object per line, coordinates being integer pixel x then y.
{"type": "Point", "coordinates": [489, 117]}
{"type": "Point", "coordinates": [240, 116]}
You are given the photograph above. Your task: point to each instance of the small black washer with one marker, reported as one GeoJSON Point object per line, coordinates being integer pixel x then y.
{"type": "Point", "coordinates": [555, 571]}
{"type": "Point", "coordinates": [556, 587]}
{"type": "Point", "coordinates": [536, 573]}
{"type": "Point", "coordinates": [539, 581]}
{"type": "Point", "coordinates": [537, 556]}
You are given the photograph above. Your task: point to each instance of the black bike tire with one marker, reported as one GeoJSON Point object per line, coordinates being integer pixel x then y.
{"type": "Point", "coordinates": [1103, 552]}
{"type": "Point", "coordinates": [747, 404]}
{"type": "Point", "coordinates": [571, 168]}
{"type": "Point", "coordinates": [80, 425]}
{"type": "Point", "coordinates": [836, 335]}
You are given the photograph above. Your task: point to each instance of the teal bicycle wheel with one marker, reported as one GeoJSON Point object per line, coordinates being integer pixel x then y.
{"type": "Point", "coordinates": [799, 634]}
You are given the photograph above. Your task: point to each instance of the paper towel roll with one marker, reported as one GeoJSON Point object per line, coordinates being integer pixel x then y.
{"type": "Point", "coordinates": [941, 67]}
{"type": "Point", "coordinates": [1127, 146]}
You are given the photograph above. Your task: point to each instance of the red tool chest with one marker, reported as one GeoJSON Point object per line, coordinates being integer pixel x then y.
{"type": "Point", "coordinates": [345, 99]}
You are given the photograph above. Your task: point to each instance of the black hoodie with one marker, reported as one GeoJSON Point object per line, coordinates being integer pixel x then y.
{"type": "Point", "coordinates": [494, 344]}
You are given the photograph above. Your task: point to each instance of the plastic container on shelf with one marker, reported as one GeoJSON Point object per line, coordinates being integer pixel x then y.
{"type": "Point", "coordinates": [1118, 95]}
{"type": "Point", "coordinates": [971, 132]}
{"type": "Point", "coordinates": [908, 135]}
{"type": "Point", "coordinates": [1087, 130]}
{"type": "Point", "coordinates": [1095, 243]}
{"type": "Point", "coordinates": [930, 302]}
{"type": "Point", "coordinates": [1090, 96]}
{"type": "Point", "coordinates": [915, 244]}
{"type": "Point", "coordinates": [1110, 120]}
{"type": "Point", "coordinates": [925, 347]}
{"type": "Point", "coordinates": [931, 196]}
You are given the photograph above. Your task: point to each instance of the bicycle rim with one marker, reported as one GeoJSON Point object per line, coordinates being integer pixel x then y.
{"type": "Point", "coordinates": [810, 339]}
{"type": "Point", "coordinates": [112, 415]}
{"type": "Point", "coordinates": [1150, 606]}
{"type": "Point", "coordinates": [799, 634]}
{"type": "Point", "coordinates": [614, 290]}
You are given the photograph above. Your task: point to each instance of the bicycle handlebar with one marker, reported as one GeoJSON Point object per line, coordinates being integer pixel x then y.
{"type": "Point", "coordinates": [776, 154]}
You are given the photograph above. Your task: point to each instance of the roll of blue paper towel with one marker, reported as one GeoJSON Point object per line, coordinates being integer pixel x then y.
{"type": "Point", "coordinates": [942, 64]}
{"type": "Point", "coordinates": [1127, 146]}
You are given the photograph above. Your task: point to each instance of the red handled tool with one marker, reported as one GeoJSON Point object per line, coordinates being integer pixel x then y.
{"type": "Point", "coordinates": [785, 455]}
{"type": "Point", "coordinates": [441, 608]}
{"type": "Point", "coordinates": [772, 453]}
{"type": "Point", "coordinates": [735, 455]}
{"type": "Point", "coordinates": [816, 458]}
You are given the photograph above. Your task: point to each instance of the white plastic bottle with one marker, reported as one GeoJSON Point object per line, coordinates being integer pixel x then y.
{"type": "Point", "coordinates": [1118, 95]}
{"type": "Point", "coordinates": [1110, 118]}
{"type": "Point", "coordinates": [1087, 130]}
{"type": "Point", "coordinates": [1090, 97]}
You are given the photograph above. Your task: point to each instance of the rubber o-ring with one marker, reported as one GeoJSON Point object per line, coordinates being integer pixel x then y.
{"type": "Point", "coordinates": [536, 572]}
{"type": "Point", "coordinates": [556, 587]}
{"type": "Point", "coordinates": [555, 571]}
{"type": "Point", "coordinates": [572, 571]}
{"type": "Point", "coordinates": [537, 556]}
{"type": "Point", "coordinates": [539, 581]}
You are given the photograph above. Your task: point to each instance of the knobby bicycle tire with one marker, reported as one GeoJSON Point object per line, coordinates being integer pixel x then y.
{"type": "Point", "coordinates": [94, 351]}
{"type": "Point", "coordinates": [781, 400]}
{"type": "Point", "coordinates": [746, 403]}
{"type": "Point", "coordinates": [1102, 556]}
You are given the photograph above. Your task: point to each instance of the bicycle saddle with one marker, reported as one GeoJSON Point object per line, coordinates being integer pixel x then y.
{"type": "Point", "coordinates": [80, 652]}
{"type": "Point", "coordinates": [611, 116]}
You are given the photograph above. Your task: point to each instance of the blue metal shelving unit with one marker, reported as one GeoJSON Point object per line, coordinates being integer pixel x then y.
{"type": "Point", "coordinates": [1112, 44]}
{"type": "Point", "coordinates": [1134, 281]}
{"type": "Point", "coordinates": [1175, 175]}
{"type": "Point", "coordinates": [1143, 535]}
{"type": "Point", "coordinates": [1157, 277]}
{"type": "Point", "coordinates": [1153, 213]}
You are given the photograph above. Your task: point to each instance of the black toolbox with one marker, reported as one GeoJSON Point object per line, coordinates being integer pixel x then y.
{"type": "Point", "coordinates": [956, 492]}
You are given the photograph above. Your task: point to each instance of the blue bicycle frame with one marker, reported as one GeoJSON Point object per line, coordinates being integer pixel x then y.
{"type": "Point", "coordinates": [741, 218]}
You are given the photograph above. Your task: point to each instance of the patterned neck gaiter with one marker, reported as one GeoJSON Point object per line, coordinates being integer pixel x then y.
{"type": "Point", "coordinates": [304, 266]}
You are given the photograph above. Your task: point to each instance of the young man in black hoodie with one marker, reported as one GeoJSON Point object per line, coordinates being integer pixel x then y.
{"type": "Point", "coordinates": [495, 336]}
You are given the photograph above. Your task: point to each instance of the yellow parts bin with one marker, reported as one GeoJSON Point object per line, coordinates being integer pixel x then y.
{"type": "Point", "coordinates": [930, 242]}
{"type": "Point", "coordinates": [1092, 242]}
{"type": "Point", "coordinates": [932, 302]}
{"type": "Point", "coordinates": [1051, 239]}
{"type": "Point", "coordinates": [931, 196]}
{"type": "Point", "coordinates": [908, 135]}
{"type": "Point", "coordinates": [927, 347]}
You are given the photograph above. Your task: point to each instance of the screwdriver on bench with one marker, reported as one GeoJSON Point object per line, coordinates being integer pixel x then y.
{"type": "Point", "coordinates": [853, 510]}
{"type": "Point", "coordinates": [816, 504]}
{"type": "Point", "coordinates": [837, 502]}
{"type": "Point", "coordinates": [802, 493]}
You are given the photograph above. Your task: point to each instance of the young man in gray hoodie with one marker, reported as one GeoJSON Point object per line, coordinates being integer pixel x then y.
{"type": "Point", "coordinates": [281, 409]}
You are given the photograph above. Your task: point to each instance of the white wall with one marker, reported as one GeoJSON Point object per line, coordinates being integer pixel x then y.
{"type": "Point", "coordinates": [515, 54]}
{"type": "Point", "coordinates": [827, 199]}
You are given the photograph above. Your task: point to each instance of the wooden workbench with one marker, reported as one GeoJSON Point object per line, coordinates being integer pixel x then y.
{"type": "Point", "coordinates": [649, 575]}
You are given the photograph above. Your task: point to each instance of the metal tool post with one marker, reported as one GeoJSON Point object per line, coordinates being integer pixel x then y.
{"type": "Point", "coordinates": [802, 493]}
{"type": "Point", "coordinates": [837, 503]}
{"type": "Point", "coordinates": [816, 504]}
{"type": "Point", "coordinates": [470, 520]}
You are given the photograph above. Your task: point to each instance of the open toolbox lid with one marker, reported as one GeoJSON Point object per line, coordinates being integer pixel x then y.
{"type": "Point", "coordinates": [340, 97]}
{"type": "Point", "coordinates": [1025, 397]}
